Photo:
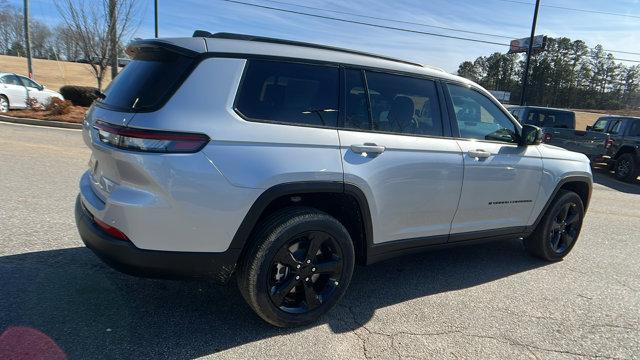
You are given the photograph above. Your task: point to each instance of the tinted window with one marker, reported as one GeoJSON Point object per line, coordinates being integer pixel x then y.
{"type": "Point", "coordinates": [356, 108]}
{"type": "Point", "coordinates": [517, 113]}
{"type": "Point", "coordinates": [146, 80]}
{"type": "Point", "coordinates": [550, 119]}
{"type": "Point", "coordinates": [290, 92]}
{"type": "Point", "coordinates": [402, 104]}
{"type": "Point", "coordinates": [615, 127]}
{"type": "Point", "coordinates": [634, 128]}
{"type": "Point", "coordinates": [11, 80]}
{"type": "Point", "coordinates": [599, 125]}
{"type": "Point", "coordinates": [29, 83]}
{"type": "Point", "coordinates": [478, 117]}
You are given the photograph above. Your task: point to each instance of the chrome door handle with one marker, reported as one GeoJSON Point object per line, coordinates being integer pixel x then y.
{"type": "Point", "coordinates": [479, 153]}
{"type": "Point", "coordinates": [369, 148]}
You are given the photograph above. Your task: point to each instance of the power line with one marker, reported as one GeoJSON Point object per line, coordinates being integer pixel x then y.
{"type": "Point", "coordinates": [574, 9]}
{"type": "Point", "coordinates": [391, 20]}
{"type": "Point", "coordinates": [365, 23]}
{"type": "Point", "coordinates": [379, 26]}
{"type": "Point", "coordinates": [421, 24]}
{"type": "Point", "coordinates": [620, 51]}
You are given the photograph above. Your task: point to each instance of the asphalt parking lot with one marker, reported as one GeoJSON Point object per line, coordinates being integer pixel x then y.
{"type": "Point", "coordinates": [482, 301]}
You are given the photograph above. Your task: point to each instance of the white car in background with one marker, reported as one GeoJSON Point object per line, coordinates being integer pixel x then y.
{"type": "Point", "coordinates": [16, 89]}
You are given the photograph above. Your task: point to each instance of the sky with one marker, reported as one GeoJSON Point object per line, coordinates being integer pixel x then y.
{"type": "Point", "coordinates": [179, 18]}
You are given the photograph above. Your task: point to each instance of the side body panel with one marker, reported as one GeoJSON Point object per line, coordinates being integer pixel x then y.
{"type": "Point", "coordinates": [498, 191]}
{"type": "Point", "coordinates": [412, 187]}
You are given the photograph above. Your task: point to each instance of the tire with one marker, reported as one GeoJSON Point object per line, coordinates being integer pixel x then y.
{"type": "Point", "coordinates": [626, 168]}
{"type": "Point", "coordinates": [558, 231]}
{"type": "Point", "coordinates": [294, 250]}
{"type": "Point", "coordinates": [4, 104]}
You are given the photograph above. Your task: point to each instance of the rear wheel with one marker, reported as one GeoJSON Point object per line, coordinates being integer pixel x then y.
{"type": "Point", "coordinates": [626, 168]}
{"type": "Point", "coordinates": [298, 267]}
{"type": "Point", "coordinates": [559, 229]}
{"type": "Point", "coordinates": [4, 104]}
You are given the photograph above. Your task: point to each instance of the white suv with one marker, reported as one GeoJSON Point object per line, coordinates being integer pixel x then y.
{"type": "Point", "coordinates": [286, 163]}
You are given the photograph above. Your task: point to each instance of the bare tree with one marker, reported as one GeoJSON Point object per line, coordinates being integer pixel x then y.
{"type": "Point", "coordinates": [89, 21]}
{"type": "Point", "coordinates": [64, 43]}
{"type": "Point", "coordinates": [11, 28]}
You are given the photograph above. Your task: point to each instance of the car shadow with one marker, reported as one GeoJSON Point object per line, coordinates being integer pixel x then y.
{"type": "Point", "coordinates": [604, 177]}
{"type": "Point", "coordinates": [92, 311]}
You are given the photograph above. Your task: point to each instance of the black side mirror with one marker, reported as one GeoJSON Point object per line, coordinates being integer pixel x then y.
{"type": "Point", "coordinates": [589, 127]}
{"type": "Point", "coordinates": [530, 135]}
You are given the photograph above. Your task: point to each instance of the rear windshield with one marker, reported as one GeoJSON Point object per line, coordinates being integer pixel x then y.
{"type": "Point", "coordinates": [147, 80]}
{"type": "Point", "coordinates": [550, 119]}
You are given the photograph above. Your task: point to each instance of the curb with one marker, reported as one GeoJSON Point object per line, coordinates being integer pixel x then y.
{"type": "Point", "coordinates": [49, 123]}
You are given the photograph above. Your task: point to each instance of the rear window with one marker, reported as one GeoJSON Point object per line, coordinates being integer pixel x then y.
{"type": "Point", "coordinates": [147, 80]}
{"type": "Point", "coordinates": [290, 93]}
{"type": "Point", "coordinates": [550, 119]}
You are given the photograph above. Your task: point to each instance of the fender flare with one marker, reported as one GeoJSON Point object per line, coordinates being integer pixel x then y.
{"type": "Point", "coordinates": [242, 235]}
{"type": "Point", "coordinates": [569, 179]}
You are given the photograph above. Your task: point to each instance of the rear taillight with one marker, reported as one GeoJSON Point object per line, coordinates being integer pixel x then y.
{"type": "Point", "coordinates": [546, 137]}
{"type": "Point", "coordinates": [608, 144]}
{"type": "Point", "coordinates": [149, 140]}
{"type": "Point", "coordinates": [111, 230]}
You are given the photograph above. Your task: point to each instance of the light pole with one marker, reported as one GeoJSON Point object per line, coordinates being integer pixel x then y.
{"type": "Point", "coordinates": [27, 38]}
{"type": "Point", "coordinates": [525, 79]}
{"type": "Point", "coordinates": [113, 38]}
{"type": "Point", "coordinates": [155, 15]}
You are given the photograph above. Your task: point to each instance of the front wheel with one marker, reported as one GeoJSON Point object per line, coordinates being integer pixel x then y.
{"type": "Point", "coordinates": [298, 266]}
{"type": "Point", "coordinates": [559, 229]}
{"type": "Point", "coordinates": [626, 168]}
{"type": "Point", "coordinates": [4, 104]}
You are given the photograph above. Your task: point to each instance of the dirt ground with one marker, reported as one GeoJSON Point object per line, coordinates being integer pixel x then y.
{"type": "Point", "coordinates": [51, 73]}
{"type": "Point", "coordinates": [75, 116]}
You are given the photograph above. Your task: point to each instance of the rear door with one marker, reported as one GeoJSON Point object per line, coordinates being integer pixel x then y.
{"type": "Point", "coordinates": [14, 90]}
{"type": "Point", "coordinates": [501, 179]}
{"type": "Point", "coordinates": [393, 148]}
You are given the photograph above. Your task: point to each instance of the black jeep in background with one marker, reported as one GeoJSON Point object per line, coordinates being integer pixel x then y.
{"type": "Point", "coordinates": [623, 151]}
{"type": "Point", "coordinates": [559, 129]}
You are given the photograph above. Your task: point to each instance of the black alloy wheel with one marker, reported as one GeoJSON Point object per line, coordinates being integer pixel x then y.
{"type": "Point", "coordinates": [305, 272]}
{"type": "Point", "coordinates": [559, 229]}
{"type": "Point", "coordinates": [626, 168]}
{"type": "Point", "coordinates": [297, 267]}
{"type": "Point", "coordinates": [564, 227]}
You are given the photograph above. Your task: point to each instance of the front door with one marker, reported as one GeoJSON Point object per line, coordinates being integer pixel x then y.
{"type": "Point", "coordinates": [392, 149]}
{"type": "Point", "coordinates": [501, 179]}
{"type": "Point", "coordinates": [35, 91]}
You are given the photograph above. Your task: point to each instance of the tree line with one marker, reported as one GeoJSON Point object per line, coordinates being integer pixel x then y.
{"type": "Point", "coordinates": [567, 74]}
{"type": "Point", "coordinates": [90, 32]}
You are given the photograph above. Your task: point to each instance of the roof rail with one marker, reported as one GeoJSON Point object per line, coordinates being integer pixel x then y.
{"type": "Point", "coordinates": [233, 36]}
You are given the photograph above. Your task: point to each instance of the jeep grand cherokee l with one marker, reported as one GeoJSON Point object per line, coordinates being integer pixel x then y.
{"type": "Point", "coordinates": [286, 163]}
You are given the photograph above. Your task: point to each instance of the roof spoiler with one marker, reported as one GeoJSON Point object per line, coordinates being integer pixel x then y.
{"type": "Point", "coordinates": [137, 47]}
{"type": "Point", "coordinates": [233, 36]}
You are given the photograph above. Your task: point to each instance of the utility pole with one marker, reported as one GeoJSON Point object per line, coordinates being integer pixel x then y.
{"type": "Point", "coordinates": [113, 38]}
{"type": "Point", "coordinates": [526, 67]}
{"type": "Point", "coordinates": [155, 15]}
{"type": "Point", "coordinates": [27, 38]}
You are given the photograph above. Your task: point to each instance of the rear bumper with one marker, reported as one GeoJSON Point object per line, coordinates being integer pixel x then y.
{"type": "Point", "coordinates": [127, 258]}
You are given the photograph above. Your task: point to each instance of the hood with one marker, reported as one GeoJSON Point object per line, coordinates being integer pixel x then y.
{"type": "Point", "coordinates": [553, 152]}
{"type": "Point", "coordinates": [51, 92]}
